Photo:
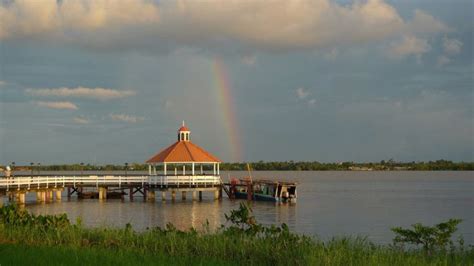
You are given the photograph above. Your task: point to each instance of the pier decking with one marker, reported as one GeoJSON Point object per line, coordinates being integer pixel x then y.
{"type": "Point", "coordinates": [48, 187]}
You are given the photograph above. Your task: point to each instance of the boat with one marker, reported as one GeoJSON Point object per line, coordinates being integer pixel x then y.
{"type": "Point", "coordinates": [263, 190]}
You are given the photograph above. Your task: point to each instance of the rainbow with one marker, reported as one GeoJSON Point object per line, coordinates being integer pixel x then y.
{"type": "Point", "coordinates": [226, 103]}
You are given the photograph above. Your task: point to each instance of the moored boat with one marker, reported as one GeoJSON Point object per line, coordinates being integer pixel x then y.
{"type": "Point", "coordinates": [263, 190]}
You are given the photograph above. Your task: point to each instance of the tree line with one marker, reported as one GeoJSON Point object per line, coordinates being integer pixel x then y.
{"type": "Point", "coordinates": [383, 165]}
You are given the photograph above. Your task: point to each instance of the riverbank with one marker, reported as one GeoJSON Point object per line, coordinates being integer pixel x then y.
{"type": "Point", "coordinates": [390, 165]}
{"type": "Point", "coordinates": [26, 238]}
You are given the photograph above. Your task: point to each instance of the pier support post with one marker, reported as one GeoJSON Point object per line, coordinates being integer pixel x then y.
{"type": "Point", "coordinates": [68, 192]}
{"type": "Point", "coordinates": [200, 195]}
{"type": "Point", "coordinates": [11, 196]}
{"type": "Point", "coordinates": [102, 193]}
{"type": "Point", "coordinates": [51, 196]}
{"type": "Point", "coordinates": [216, 194]}
{"type": "Point", "coordinates": [163, 196]}
{"type": "Point", "coordinates": [22, 198]}
{"type": "Point", "coordinates": [194, 195]}
{"type": "Point", "coordinates": [131, 193]}
{"type": "Point", "coordinates": [150, 195]}
{"type": "Point", "coordinates": [58, 195]}
{"type": "Point", "coordinates": [1, 201]}
{"type": "Point", "coordinates": [43, 196]}
{"type": "Point", "coordinates": [183, 195]}
{"type": "Point", "coordinates": [173, 195]}
{"type": "Point", "coordinates": [38, 196]}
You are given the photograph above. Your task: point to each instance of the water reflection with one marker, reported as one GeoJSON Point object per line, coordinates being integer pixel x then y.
{"type": "Point", "coordinates": [329, 204]}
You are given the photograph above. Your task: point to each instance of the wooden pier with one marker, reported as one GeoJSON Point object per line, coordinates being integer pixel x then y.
{"type": "Point", "coordinates": [189, 157]}
{"type": "Point", "coordinates": [50, 188]}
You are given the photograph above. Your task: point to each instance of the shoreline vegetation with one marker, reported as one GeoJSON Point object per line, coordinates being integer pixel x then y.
{"type": "Point", "coordinates": [52, 239]}
{"type": "Point", "coordinates": [390, 165]}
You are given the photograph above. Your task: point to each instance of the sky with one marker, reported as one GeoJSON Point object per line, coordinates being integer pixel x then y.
{"type": "Point", "coordinates": [107, 81]}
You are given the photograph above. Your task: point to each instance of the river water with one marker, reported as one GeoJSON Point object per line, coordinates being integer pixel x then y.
{"type": "Point", "coordinates": [330, 203]}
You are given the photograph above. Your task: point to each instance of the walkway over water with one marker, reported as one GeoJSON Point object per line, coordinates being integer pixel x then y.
{"type": "Point", "coordinates": [45, 185]}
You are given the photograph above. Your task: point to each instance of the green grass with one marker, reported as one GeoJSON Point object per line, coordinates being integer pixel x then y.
{"type": "Point", "coordinates": [18, 254]}
{"type": "Point", "coordinates": [26, 239]}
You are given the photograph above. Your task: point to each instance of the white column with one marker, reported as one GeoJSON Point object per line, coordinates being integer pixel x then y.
{"type": "Point", "coordinates": [175, 171]}
{"type": "Point", "coordinates": [184, 169]}
{"type": "Point", "coordinates": [214, 168]}
{"type": "Point", "coordinates": [201, 170]}
{"type": "Point", "coordinates": [149, 169]}
{"type": "Point", "coordinates": [193, 168]}
{"type": "Point", "coordinates": [164, 168]}
{"type": "Point", "coordinates": [218, 164]}
{"type": "Point", "coordinates": [154, 169]}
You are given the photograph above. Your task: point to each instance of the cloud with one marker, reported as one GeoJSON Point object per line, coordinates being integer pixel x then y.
{"type": "Point", "coordinates": [425, 23]}
{"type": "Point", "coordinates": [452, 46]}
{"type": "Point", "coordinates": [442, 60]}
{"type": "Point", "coordinates": [302, 93]}
{"type": "Point", "coordinates": [27, 18]}
{"type": "Point", "coordinates": [57, 105]}
{"type": "Point", "coordinates": [2, 83]}
{"type": "Point", "coordinates": [81, 120]}
{"type": "Point", "coordinates": [282, 25]}
{"type": "Point", "coordinates": [126, 118]}
{"type": "Point", "coordinates": [409, 45]}
{"type": "Point", "coordinates": [81, 92]}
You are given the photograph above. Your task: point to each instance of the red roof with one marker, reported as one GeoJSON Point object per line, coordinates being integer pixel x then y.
{"type": "Point", "coordinates": [183, 128]}
{"type": "Point", "coordinates": [183, 151]}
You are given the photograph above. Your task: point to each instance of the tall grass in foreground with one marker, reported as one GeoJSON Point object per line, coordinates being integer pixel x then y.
{"type": "Point", "coordinates": [243, 242]}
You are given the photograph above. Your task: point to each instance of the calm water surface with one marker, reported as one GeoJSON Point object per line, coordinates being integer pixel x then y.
{"type": "Point", "coordinates": [329, 204]}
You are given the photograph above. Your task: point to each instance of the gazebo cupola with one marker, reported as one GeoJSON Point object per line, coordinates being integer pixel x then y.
{"type": "Point", "coordinates": [183, 133]}
{"type": "Point", "coordinates": [186, 154]}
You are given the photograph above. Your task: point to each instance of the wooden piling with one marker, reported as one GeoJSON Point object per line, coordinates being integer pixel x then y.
{"type": "Point", "coordinates": [200, 195]}
{"type": "Point", "coordinates": [194, 195]}
{"type": "Point", "coordinates": [39, 196]}
{"type": "Point", "coordinates": [58, 195]}
{"type": "Point", "coordinates": [183, 195]}
{"type": "Point", "coordinates": [102, 193]}
{"type": "Point", "coordinates": [150, 195]}
{"type": "Point", "coordinates": [163, 196]}
{"type": "Point", "coordinates": [173, 195]}
{"type": "Point", "coordinates": [22, 198]}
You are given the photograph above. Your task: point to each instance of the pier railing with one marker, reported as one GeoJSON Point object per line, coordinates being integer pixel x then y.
{"type": "Point", "coordinates": [40, 182]}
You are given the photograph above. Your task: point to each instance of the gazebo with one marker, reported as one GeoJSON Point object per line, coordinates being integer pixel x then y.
{"type": "Point", "coordinates": [183, 153]}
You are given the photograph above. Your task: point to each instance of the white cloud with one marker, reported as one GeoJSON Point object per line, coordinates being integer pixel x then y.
{"type": "Point", "coordinates": [126, 118]}
{"type": "Point", "coordinates": [22, 18]}
{"type": "Point", "coordinates": [81, 92]}
{"type": "Point", "coordinates": [2, 83]}
{"type": "Point", "coordinates": [452, 46]}
{"type": "Point", "coordinates": [57, 105]}
{"type": "Point", "coordinates": [302, 93]}
{"type": "Point", "coordinates": [409, 45]}
{"type": "Point", "coordinates": [425, 23]}
{"type": "Point", "coordinates": [442, 60]}
{"type": "Point", "coordinates": [281, 25]}
{"type": "Point", "coordinates": [81, 120]}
